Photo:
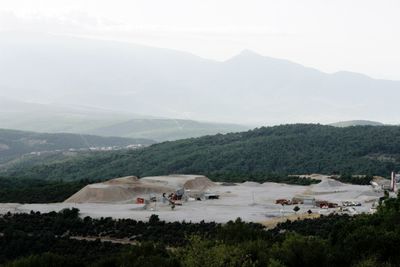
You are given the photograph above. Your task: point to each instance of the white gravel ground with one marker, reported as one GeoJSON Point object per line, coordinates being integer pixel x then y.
{"type": "Point", "coordinates": [249, 201]}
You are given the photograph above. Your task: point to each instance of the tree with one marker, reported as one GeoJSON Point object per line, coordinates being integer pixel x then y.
{"type": "Point", "coordinates": [296, 209]}
{"type": "Point", "coordinates": [154, 219]}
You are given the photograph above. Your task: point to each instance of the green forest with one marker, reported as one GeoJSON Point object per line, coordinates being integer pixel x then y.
{"type": "Point", "coordinates": [14, 190]}
{"type": "Point", "coordinates": [58, 239]}
{"type": "Point", "coordinates": [263, 154]}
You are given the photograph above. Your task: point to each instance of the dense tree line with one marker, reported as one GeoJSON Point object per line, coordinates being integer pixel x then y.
{"type": "Point", "coordinates": [354, 179]}
{"type": "Point", "coordinates": [37, 191]}
{"type": "Point", "coordinates": [45, 240]}
{"type": "Point", "coordinates": [262, 178]}
{"type": "Point", "coordinates": [261, 153]}
{"type": "Point", "coordinates": [67, 221]}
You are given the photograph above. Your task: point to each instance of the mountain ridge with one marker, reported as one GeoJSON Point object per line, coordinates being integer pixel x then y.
{"type": "Point", "coordinates": [166, 129]}
{"type": "Point", "coordinates": [86, 120]}
{"type": "Point", "coordinates": [165, 83]}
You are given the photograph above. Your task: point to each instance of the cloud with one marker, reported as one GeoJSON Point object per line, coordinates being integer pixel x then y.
{"type": "Point", "coordinates": [70, 22]}
{"type": "Point", "coordinates": [78, 22]}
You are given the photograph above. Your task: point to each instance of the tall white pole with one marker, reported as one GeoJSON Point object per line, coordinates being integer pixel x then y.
{"type": "Point", "coordinates": [392, 183]}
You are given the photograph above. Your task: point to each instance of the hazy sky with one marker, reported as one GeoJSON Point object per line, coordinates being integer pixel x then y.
{"type": "Point", "coordinates": [331, 35]}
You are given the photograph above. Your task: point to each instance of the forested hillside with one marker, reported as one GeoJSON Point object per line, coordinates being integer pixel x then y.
{"type": "Point", "coordinates": [14, 144]}
{"type": "Point", "coordinates": [270, 151]}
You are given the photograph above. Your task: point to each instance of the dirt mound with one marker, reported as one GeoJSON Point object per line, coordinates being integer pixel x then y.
{"type": "Point", "coordinates": [123, 180]}
{"type": "Point", "coordinates": [199, 183]}
{"type": "Point", "coordinates": [127, 189]}
{"type": "Point", "coordinates": [251, 184]}
{"type": "Point", "coordinates": [98, 193]}
{"type": "Point", "coordinates": [328, 184]}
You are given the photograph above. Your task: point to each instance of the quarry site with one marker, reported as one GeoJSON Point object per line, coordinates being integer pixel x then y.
{"type": "Point", "coordinates": [193, 198]}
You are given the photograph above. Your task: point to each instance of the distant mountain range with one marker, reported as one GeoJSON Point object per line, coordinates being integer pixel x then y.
{"type": "Point", "coordinates": [166, 129]}
{"type": "Point", "coordinates": [85, 120]}
{"type": "Point", "coordinates": [356, 123]}
{"type": "Point", "coordinates": [246, 89]}
{"type": "Point", "coordinates": [56, 118]}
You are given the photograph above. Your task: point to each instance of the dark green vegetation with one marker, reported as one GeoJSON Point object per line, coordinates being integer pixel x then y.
{"type": "Point", "coordinates": [51, 239]}
{"type": "Point", "coordinates": [37, 191]}
{"type": "Point", "coordinates": [261, 178]}
{"type": "Point", "coordinates": [14, 144]}
{"type": "Point", "coordinates": [262, 153]}
{"type": "Point", "coordinates": [355, 179]}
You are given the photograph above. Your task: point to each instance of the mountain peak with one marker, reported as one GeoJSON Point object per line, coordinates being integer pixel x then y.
{"type": "Point", "coordinates": [246, 55]}
{"type": "Point", "coordinates": [247, 52]}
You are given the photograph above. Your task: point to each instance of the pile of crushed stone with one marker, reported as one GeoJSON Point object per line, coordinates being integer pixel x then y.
{"type": "Point", "coordinates": [128, 189]}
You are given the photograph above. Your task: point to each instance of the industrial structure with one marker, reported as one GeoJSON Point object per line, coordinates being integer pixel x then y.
{"type": "Point", "coordinates": [170, 190]}
{"type": "Point", "coordinates": [394, 180]}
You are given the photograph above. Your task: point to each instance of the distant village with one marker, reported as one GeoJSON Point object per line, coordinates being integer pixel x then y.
{"type": "Point", "coordinates": [92, 148]}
